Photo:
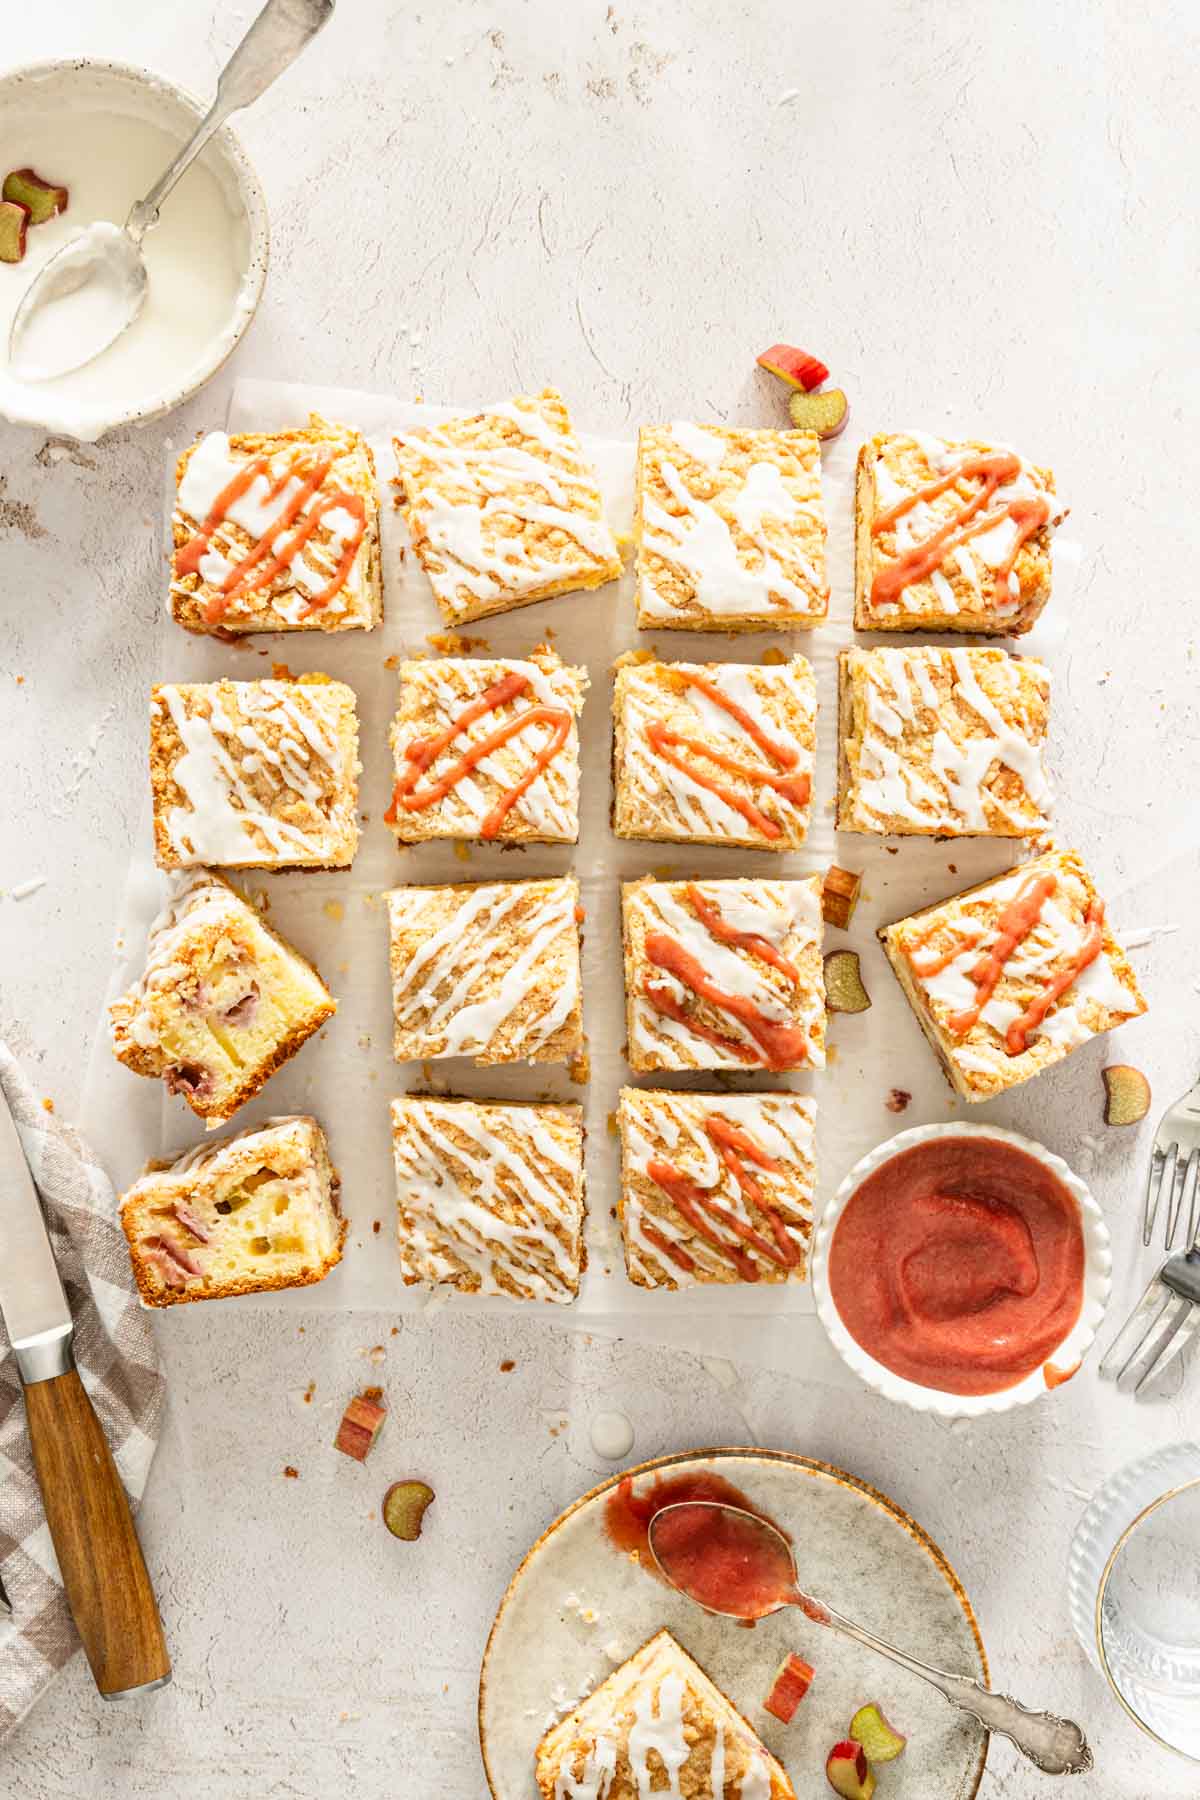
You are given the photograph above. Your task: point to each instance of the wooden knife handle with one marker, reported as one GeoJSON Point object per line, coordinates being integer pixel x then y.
{"type": "Point", "coordinates": [108, 1587]}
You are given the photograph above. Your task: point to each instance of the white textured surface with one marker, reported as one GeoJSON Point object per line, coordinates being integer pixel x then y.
{"type": "Point", "coordinates": [983, 220]}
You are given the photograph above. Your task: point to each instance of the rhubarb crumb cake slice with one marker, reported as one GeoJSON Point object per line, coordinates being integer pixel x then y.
{"type": "Point", "coordinates": [715, 1187]}
{"type": "Point", "coordinates": [255, 774]}
{"type": "Point", "coordinates": [658, 1725]}
{"type": "Point", "coordinates": [943, 743]}
{"type": "Point", "coordinates": [487, 970]}
{"type": "Point", "coordinates": [487, 749]}
{"type": "Point", "coordinates": [504, 508]}
{"type": "Point", "coordinates": [951, 536]}
{"type": "Point", "coordinates": [253, 1212]}
{"type": "Point", "coordinates": [277, 531]}
{"type": "Point", "coordinates": [489, 1196]}
{"type": "Point", "coordinates": [724, 974]}
{"type": "Point", "coordinates": [1011, 976]}
{"type": "Point", "coordinates": [730, 529]}
{"type": "Point", "coordinates": [223, 1001]}
{"type": "Point", "coordinates": [714, 753]}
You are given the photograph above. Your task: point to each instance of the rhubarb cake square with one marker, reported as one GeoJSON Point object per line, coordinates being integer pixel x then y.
{"type": "Point", "coordinates": [724, 974]}
{"type": "Point", "coordinates": [657, 1725]}
{"type": "Point", "coordinates": [488, 970]}
{"type": "Point", "coordinates": [490, 1197]}
{"type": "Point", "coordinates": [951, 536]}
{"type": "Point", "coordinates": [715, 1187]}
{"type": "Point", "coordinates": [277, 531]}
{"type": "Point", "coordinates": [241, 1216]}
{"type": "Point", "coordinates": [255, 774]}
{"type": "Point", "coordinates": [714, 753]}
{"type": "Point", "coordinates": [730, 529]}
{"type": "Point", "coordinates": [1011, 976]}
{"type": "Point", "coordinates": [503, 507]}
{"type": "Point", "coordinates": [487, 749]}
{"type": "Point", "coordinates": [222, 1003]}
{"type": "Point", "coordinates": [943, 743]}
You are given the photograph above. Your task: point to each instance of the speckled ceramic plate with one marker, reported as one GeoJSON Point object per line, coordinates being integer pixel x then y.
{"type": "Point", "coordinates": [576, 1607]}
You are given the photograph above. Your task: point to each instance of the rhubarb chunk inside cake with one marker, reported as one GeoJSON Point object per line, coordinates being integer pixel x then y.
{"type": "Point", "coordinates": [245, 1215]}
{"type": "Point", "coordinates": [223, 1001]}
{"type": "Point", "coordinates": [1009, 977]}
{"type": "Point", "coordinates": [658, 1725]}
{"type": "Point", "coordinates": [724, 974]}
{"type": "Point", "coordinates": [489, 1196]}
{"type": "Point", "coordinates": [277, 531]}
{"type": "Point", "coordinates": [487, 749]}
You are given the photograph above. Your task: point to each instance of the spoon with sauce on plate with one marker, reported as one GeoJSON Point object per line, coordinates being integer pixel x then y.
{"type": "Point", "coordinates": [95, 287]}
{"type": "Point", "coordinates": [738, 1565]}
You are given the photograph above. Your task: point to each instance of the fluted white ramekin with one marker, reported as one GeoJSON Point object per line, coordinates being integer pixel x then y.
{"type": "Point", "coordinates": [1097, 1280]}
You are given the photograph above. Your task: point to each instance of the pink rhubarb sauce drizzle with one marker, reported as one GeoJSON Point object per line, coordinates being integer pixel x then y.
{"type": "Point", "coordinates": [1014, 925]}
{"type": "Point", "coordinates": [777, 1045]}
{"type": "Point", "coordinates": [693, 1202]}
{"type": "Point", "coordinates": [665, 742]}
{"type": "Point", "coordinates": [919, 561]}
{"type": "Point", "coordinates": [421, 752]}
{"type": "Point", "coordinates": [248, 574]}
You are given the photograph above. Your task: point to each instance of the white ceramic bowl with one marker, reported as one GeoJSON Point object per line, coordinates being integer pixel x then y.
{"type": "Point", "coordinates": [1097, 1280]}
{"type": "Point", "coordinates": [40, 105]}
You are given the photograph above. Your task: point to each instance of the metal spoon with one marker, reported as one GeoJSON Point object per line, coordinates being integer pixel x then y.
{"type": "Point", "coordinates": [108, 258]}
{"type": "Point", "coordinates": [1057, 1746]}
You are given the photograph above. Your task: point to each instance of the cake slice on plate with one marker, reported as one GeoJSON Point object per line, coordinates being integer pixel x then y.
{"type": "Point", "coordinates": [247, 1214]}
{"type": "Point", "coordinates": [223, 1001]}
{"type": "Point", "coordinates": [658, 1725]}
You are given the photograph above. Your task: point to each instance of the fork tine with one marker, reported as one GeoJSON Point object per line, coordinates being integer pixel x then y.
{"type": "Point", "coordinates": [1191, 1174]}
{"type": "Point", "coordinates": [1183, 1334]}
{"type": "Point", "coordinates": [1153, 1194]}
{"type": "Point", "coordinates": [1155, 1343]}
{"type": "Point", "coordinates": [1136, 1329]}
{"type": "Point", "coordinates": [1174, 1192]}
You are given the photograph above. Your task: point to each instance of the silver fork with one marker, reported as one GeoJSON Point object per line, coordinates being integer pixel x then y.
{"type": "Point", "coordinates": [1160, 1327]}
{"type": "Point", "coordinates": [1175, 1170]}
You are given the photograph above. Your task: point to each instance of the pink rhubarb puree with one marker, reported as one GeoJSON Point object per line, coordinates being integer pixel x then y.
{"type": "Point", "coordinates": [959, 1264]}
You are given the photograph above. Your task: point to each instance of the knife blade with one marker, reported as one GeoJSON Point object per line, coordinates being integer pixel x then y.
{"type": "Point", "coordinates": [32, 1300]}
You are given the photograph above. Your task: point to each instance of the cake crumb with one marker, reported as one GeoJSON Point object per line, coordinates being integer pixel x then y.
{"type": "Point", "coordinates": [377, 1226]}
{"type": "Point", "coordinates": [281, 672]}
{"type": "Point", "coordinates": [333, 909]}
{"type": "Point", "coordinates": [309, 1391]}
{"type": "Point", "coordinates": [47, 1104]}
{"type": "Point", "coordinates": [507, 1366]}
{"type": "Point", "coordinates": [290, 1473]}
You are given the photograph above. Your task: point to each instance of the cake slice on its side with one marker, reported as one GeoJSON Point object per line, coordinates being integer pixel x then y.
{"type": "Point", "coordinates": [250, 1213]}
{"type": "Point", "coordinates": [657, 1715]}
{"type": "Point", "coordinates": [223, 1002]}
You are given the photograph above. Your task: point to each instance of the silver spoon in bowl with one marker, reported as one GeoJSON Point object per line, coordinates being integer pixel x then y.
{"type": "Point", "coordinates": [107, 259]}
{"type": "Point", "coordinates": [683, 1537]}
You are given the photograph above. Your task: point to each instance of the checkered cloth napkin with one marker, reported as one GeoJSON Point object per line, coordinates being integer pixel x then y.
{"type": "Point", "coordinates": [115, 1353]}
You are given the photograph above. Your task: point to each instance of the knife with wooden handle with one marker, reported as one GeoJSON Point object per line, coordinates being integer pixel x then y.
{"type": "Point", "coordinates": [104, 1573]}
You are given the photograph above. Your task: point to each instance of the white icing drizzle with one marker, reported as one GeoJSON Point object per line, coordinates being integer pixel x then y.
{"type": "Point", "coordinates": [219, 752]}
{"type": "Point", "coordinates": [466, 500]}
{"type": "Point", "coordinates": [944, 788]}
{"type": "Point", "coordinates": [756, 1782]}
{"type": "Point", "coordinates": [658, 1727]}
{"type": "Point", "coordinates": [481, 970]}
{"type": "Point", "coordinates": [686, 808]}
{"type": "Point", "coordinates": [594, 1779]}
{"type": "Point", "coordinates": [671, 1127]}
{"type": "Point", "coordinates": [703, 446]}
{"type": "Point", "coordinates": [451, 1196]}
{"type": "Point", "coordinates": [701, 543]}
{"type": "Point", "coordinates": [211, 467]}
{"type": "Point", "coordinates": [446, 687]}
{"type": "Point", "coordinates": [785, 913]}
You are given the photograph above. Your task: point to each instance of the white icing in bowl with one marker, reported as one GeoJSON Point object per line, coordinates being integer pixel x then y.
{"type": "Point", "coordinates": [106, 131]}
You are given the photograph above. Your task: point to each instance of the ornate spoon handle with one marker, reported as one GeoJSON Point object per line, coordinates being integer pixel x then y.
{"type": "Point", "coordinates": [1057, 1746]}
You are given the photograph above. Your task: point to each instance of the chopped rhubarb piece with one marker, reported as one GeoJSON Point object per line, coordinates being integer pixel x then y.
{"type": "Point", "coordinates": [361, 1424]}
{"type": "Point", "coordinates": [1126, 1094]}
{"type": "Point", "coordinates": [189, 1221]}
{"type": "Point", "coordinates": [41, 199]}
{"type": "Point", "coordinates": [404, 1507]}
{"type": "Point", "coordinates": [844, 990]}
{"type": "Point", "coordinates": [792, 1681]}
{"type": "Point", "coordinates": [13, 222]}
{"type": "Point", "coordinates": [848, 1772]}
{"type": "Point", "coordinates": [839, 896]}
{"type": "Point", "coordinates": [796, 367]}
{"type": "Point", "coordinates": [881, 1742]}
{"type": "Point", "coordinates": [824, 413]}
